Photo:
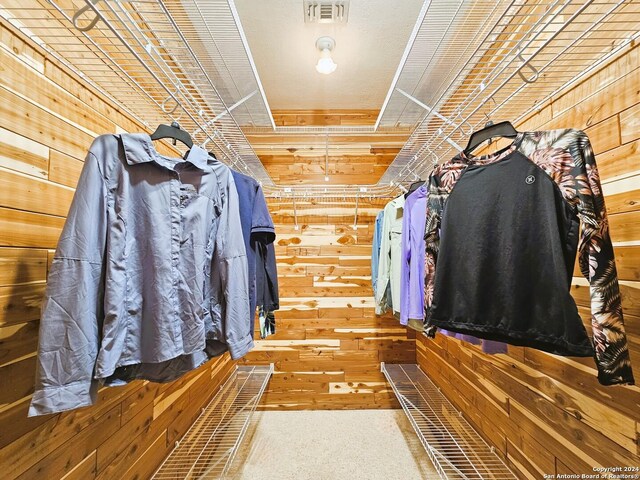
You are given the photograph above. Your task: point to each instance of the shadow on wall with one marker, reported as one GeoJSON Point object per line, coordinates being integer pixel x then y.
{"type": "Point", "coordinates": [19, 335]}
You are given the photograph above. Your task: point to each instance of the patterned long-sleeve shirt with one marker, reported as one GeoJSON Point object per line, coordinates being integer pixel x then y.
{"type": "Point", "coordinates": [504, 231]}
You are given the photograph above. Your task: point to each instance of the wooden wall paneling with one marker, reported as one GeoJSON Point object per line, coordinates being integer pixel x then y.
{"type": "Point", "coordinates": [26, 451]}
{"type": "Point", "coordinates": [623, 202]}
{"type": "Point", "coordinates": [18, 265]}
{"type": "Point", "coordinates": [23, 192]}
{"type": "Point", "coordinates": [85, 469]}
{"type": "Point", "coordinates": [18, 341]}
{"type": "Point", "coordinates": [50, 119]}
{"type": "Point", "coordinates": [625, 227]}
{"type": "Point", "coordinates": [20, 303]}
{"type": "Point", "coordinates": [558, 419]}
{"type": "Point", "coordinates": [148, 460]}
{"type": "Point", "coordinates": [541, 412]}
{"type": "Point", "coordinates": [22, 80]}
{"type": "Point", "coordinates": [64, 169]}
{"type": "Point", "coordinates": [29, 120]}
{"type": "Point", "coordinates": [73, 452]}
{"type": "Point", "coordinates": [620, 162]}
{"type": "Point", "coordinates": [353, 158]}
{"type": "Point", "coordinates": [23, 154]}
{"type": "Point", "coordinates": [19, 46]}
{"type": "Point", "coordinates": [630, 123]}
{"type": "Point", "coordinates": [27, 229]}
{"type": "Point", "coordinates": [328, 343]}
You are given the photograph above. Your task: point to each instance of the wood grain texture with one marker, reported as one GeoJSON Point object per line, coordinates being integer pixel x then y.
{"type": "Point", "coordinates": [292, 168]}
{"type": "Point", "coordinates": [353, 158]}
{"type": "Point", "coordinates": [328, 343]}
{"type": "Point", "coordinates": [547, 414]}
{"type": "Point", "coordinates": [49, 120]}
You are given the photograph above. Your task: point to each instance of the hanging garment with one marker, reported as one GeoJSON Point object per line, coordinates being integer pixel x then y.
{"type": "Point", "coordinates": [147, 281]}
{"type": "Point", "coordinates": [267, 322]}
{"type": "Point", "coordinates": [257, 228]}
{"type": "Point", "coordinates": [390, 254]}
{"type": "Point", "coordinates": [505, 240]}
{"type": "Point", "coordinates": [488, 346]}
{"type": "Point", "coordinates": [267, 277]}
{"type": "Point", "coordinates": [412, 271]}
{"type": "Point", "coordinates": [412, 258]}
{"type": "Point", "coordinates": [375, 250]}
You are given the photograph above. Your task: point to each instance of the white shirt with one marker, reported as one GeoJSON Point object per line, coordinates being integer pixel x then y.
{"type": "Point", "coordinates": [390, 254]}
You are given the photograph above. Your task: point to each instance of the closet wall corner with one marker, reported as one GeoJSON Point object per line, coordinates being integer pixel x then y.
{"type": "Point", "coordinates": [548, 414]}
{"type": "Point", "coordinates": [329, 342]}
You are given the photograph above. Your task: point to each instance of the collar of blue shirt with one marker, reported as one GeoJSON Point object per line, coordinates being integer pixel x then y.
{"type": "Point", "coordinates": [138, 148]}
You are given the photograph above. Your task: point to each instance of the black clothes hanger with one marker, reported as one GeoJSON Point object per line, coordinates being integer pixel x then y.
{"type": "Point", "coordinates": [172, 131]}
{"type": "Point", "coordinates": [491, 130]}
{"type": "Point", "coordinates": [414, 186]}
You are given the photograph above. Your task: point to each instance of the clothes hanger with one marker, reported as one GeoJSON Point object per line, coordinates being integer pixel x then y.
{"type": "Point", "coordinates": [174, 132]}
{"type": "Point", "coordinates": [502, 129]}
{"type": "Point", "coordinates": [414, 186]}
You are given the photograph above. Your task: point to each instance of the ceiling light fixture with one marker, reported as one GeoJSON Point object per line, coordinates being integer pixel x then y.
{"type": "Point", "coordinates": [325, 63]}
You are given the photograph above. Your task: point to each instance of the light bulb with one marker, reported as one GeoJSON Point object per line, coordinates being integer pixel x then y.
{"type": "Point", "coordinates": [326, 178]}
{"type": "Point", "coordinates": [325, 64]}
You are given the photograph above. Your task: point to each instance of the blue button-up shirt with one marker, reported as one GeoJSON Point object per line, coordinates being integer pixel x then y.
{"type": "Point", "coordinates": [149, 279]}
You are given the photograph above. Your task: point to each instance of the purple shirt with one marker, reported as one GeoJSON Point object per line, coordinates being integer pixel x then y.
{"type": "Point", "coordinates": [412, 269]}
{"type": "Point", "coordinates": [412, 266]}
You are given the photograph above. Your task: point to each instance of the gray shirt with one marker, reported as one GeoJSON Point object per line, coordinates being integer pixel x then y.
{"type": "Point", "coordinates": [149, 279]}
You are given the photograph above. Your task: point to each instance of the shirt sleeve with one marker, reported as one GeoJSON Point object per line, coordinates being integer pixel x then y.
{"type": "Point", "coordinates": [597, 264]}
{"type": "Point", "coordinates": [435, 205]}
{"type": "Point", "coordinates": [405, 259]}
{"type": "Point", "coordinates": [262, 228]}
{"type": "Point", "coordinates": [72, 308]}
{"type": "Point", "coordinates": [440, 184]}
{"type": "Point", "coordinates": [229, 277]}
{"type": "Point", "coordinates": [268, 296]}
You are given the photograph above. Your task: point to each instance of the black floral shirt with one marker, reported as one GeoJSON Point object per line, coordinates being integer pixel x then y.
{"type": "Point", "coordinates": [504, 231]}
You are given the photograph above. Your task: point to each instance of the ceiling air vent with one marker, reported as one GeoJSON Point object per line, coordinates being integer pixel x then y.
{"type": "Point", "coordinates": [326, 11]}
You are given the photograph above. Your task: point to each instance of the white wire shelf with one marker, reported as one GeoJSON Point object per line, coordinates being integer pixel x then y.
{"type": "Point", "coordinates": [326, 130]}
{"type": "Point", "coordinates": [478, 60]}
{"type": "Point", "coordinates": [455, 448]}
{"type": "Point", "coordinates": [158, 61]}
{"type": "Point", "coordinates": [207, 450]}
{"type": "Point", "coordinates": [467, 61]}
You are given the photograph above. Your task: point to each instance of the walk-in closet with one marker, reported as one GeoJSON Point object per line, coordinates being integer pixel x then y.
{"type": "Point", "coordinates": [319, 239]}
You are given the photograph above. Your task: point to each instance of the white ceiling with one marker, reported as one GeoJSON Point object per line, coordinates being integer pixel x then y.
{"type": "Point", "coordinates": [368, 50]}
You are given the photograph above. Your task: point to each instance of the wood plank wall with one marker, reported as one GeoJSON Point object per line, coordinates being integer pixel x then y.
{"type": "Point", "coordinates": [547, 414]}
{"type": "Point", "coordinates": [319, 118]}
{"type": "Point", "coordinates": [47, 122]}
{"type": "Point", "coordinates": [299, 158]}
{"type": "Point", "coordinates": [329, 343]}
